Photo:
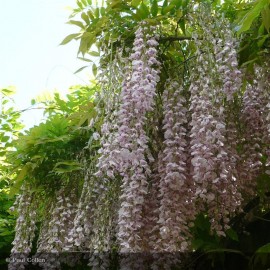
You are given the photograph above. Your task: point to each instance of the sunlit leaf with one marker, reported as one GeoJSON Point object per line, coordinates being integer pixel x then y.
{"type": "Point", "coordinates": [142, 11]}
{"type": "Point", "coordinates": [250, 16]}
{"type": "Point", "coordinates": [95, 54]}
{"type": "Point", "coordinates": [94, 69]}
{"type": "Point", "coordinates": [69, 38]}
{"type": "Point", "coordinates": [77, 23]}
{"type": "Point", "coordinates": [8, 91]}
{"type": "Point", "coordinates": [135, 3]}
{"type": "Point", "coordinates": [165, 4]}
{"type": "Point", "coordinates": [85, 18]}
{"type": "Point", "coordinates": [154, 8]}
{"type": "Point", "coordinates": [266, 18]}
{"type": "Point", "coordinates": [80, 69]}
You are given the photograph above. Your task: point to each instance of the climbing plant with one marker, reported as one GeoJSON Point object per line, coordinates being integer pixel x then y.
{"type": "Point", "coordinates": [167, 155]}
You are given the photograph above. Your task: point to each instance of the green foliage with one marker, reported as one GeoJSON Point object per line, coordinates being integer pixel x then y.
{"type": "Point", "coordinates": [10, 129]}
{"type": "Point", "coordinates": [261, 257]}
{"type": "Point", "coordinates": [203, 239]}
{"type": "Point", "coordinates": [113, 25]}
{"type": "Point", "coordinates": [48, 153]}
{"type": "Point", "coordinates": [253, 24]}
{"type": "Point", "coordinates": [259, 7]}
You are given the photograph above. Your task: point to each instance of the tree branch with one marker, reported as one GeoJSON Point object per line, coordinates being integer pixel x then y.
{"type": "Point", "coordinates": [175, 38]}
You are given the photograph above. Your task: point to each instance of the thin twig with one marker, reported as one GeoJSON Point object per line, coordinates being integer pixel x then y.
{"type": "Point", "coordinates": [173, 38]}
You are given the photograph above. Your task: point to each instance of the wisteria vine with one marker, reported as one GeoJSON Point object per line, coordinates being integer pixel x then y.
{"type": "Point", "coordinates": [142, 191]}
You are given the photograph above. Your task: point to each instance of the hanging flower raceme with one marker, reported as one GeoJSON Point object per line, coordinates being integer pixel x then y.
{"type": "Point", "coordinates": [226, 58]}
{"type": "Point", "coordinates": [110, 81]}
{"type": "Point", "coordinates": [262, 83]}
{"type": "Point", "coordinates": [79, 237]}
{"type": "Point", "coordinates": [24, 230]}
{"type": "Point", "coordinates": [213, 169]}
{"type": "Point", "coordinates": [151, 212]}
{"type": "Point", "coordinates": [256, 136]}
{"type": "Point", "coordinates": [53, 237]}
{"type": "Point", "coordinates": [265, 79]}
{"type": "Point", "coordinates": [175, 191]}
{"type": "Point", "coordinates": [176, 209]}
{"type": "Point", "coordinates": [124, 142]}
{"type": "Point", "coordinates": [104, 191]}
{"type": "Point", "coordinates": [137, 99]}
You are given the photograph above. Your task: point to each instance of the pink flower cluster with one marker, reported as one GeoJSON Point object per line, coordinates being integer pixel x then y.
{"type": "Point", "coordinates": [25, 230]}
{"type": "Point", "coordinates": [213, 167]}
{"type": "Point", "coordinates": [256, 138]}
{"type": "Point", "coordinates": [208, 146]}
{"type": "Point", "coordinates": [226, 60]}
{"type": "Point", "coordinates": [53, 237]}
{"type": "Point", "coordinates": [137, 98]}
{"type": "Point", "coordinates": [124, 151]}
{"type": "Point", "coordinates": [78, 238]}
{"type": "Point", "coordinates": [176, 209]}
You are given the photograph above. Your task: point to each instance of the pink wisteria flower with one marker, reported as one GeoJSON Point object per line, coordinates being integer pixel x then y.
{"type": "Point", "coordinates": [215, 80]}
{"type": "Point", "coordinates": [138, 92]}
{"type": "Point", "coordinates": [24, 230]}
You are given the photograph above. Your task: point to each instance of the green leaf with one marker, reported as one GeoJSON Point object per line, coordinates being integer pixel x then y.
{"type": "Point", "coordinates": [154, 8]}
{"type": "Point", "coordinates": [5, 233]}
{"type": "Point", "coordinates": [135, 3]}
{"type": "Point", "coordinates": [177, 3]}
{"type": "Point", "coordinates": [143, 11]}
{"type": "Point", "coordinates": [264, 249]}
{"type": "Point", "coordinates": [79, 4]}
{"type": "Point", "coordinates": [77, 23]}
{"type": "Point", "coordinates": [5, 101]}
{"type": "Point", "coordinates": [67, 166]}
{"type": "Point", "coordinates": [83, 46]}
{"type": "Point", "coordinates": [85, 18]}
{"type": "Point", "coordinates": [250, 62]}
{"type": "Point", "coordinates": [7, 92]}
{"type": "Point", "coordinates": [66, 170]}
{"type": "Point", "coordinates": [85, 59]}
{"type": "Point", "coordinates": [152, 21]}
{"type": "Point", "coordinates": [115, 4]}
{"type": "Point", "coordinates": [68, 163]}
{"type": "Point", "coordinates": [22, 173]}
{"type": "Point", "coordinates": [69, 38]}
{"type": "Point", "coordinates": [5, 138]}
{"type": "Point", "coordinates": [80, 69]}
{"type": "Point", "coordinates": [261, 257]}
{"type": "Point", "coordinates": [250, 16]}
{"type": "Point", "coordinates": [167, 9]}
{"type": "Point", "coordinates": [95, 54]}
{"type": "Point", "coordinates": [232, 234]}
{"type": "Point", "coordinates": [197, 243]}
{"type": "Point", "coordinates": [94, 69]}
{"type": "Point", "coordinates": [266, 18]}
{"type": "Point", "coordinates": [91, 15]}
{"type": "Point", "coordinates": [182, 25]}
{"type": "Point", "coordinates": [102, 11]}
{"type": "Point", "coordinates": [203, 222]}
{"type": "Point", "coordinates": [97, 13]}
{"type": "Point", "coordinates": [84, 2]}
{"type": "Point", "coordinates": [165, 4]}
{"type": "Point", "coordinates": [262, 40]}
{"type": "Point", "coordinates": [261, 30]}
